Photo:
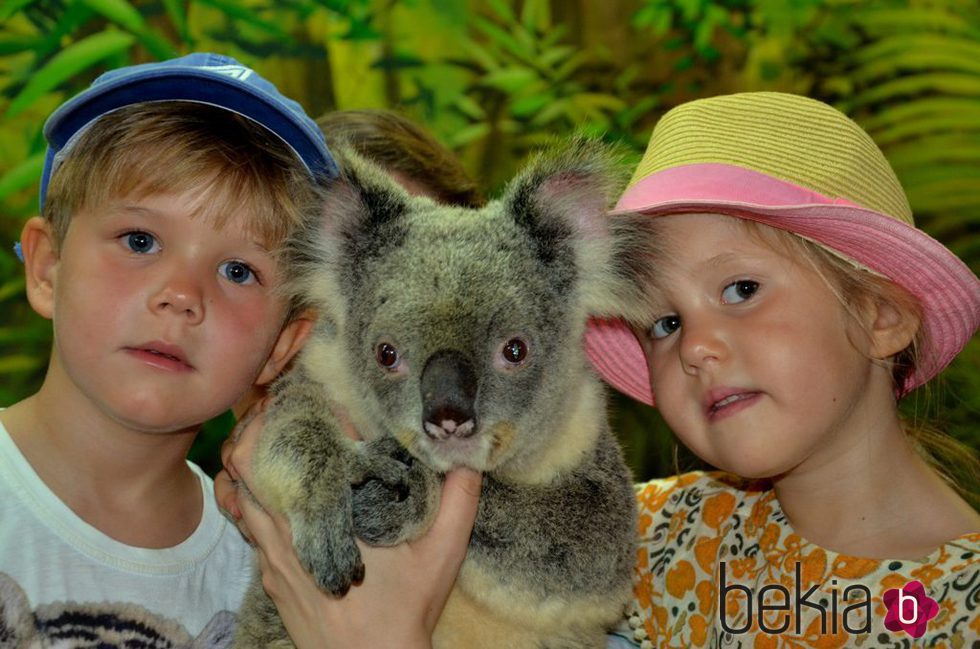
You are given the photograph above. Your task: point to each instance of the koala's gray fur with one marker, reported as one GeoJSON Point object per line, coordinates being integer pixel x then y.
{"type": "Point", "coordinates": [451, 289]}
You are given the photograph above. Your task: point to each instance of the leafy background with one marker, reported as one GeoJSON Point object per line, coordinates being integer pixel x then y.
{"type": "Point", "coordinates": [493, 79]}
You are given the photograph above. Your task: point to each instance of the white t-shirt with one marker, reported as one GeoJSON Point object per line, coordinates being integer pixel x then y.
{"type": "Point", "coordinates": [64, 582]}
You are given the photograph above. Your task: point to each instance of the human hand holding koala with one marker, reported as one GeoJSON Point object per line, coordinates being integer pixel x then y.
{"type": "Point", "coordinates": [426, 567]}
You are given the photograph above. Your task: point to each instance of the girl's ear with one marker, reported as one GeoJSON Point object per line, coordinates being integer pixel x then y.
{"type": "Point", "coordinates": [294, 333]}
{"type": "Point", "coordinates": [892, 328]}
{"type": "Point", "coordinates": [40, 264]}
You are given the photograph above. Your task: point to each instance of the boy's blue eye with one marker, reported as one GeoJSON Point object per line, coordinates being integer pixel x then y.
{"type": "Point", "coordinates": [739, 291]}
{"type": "Point", "coordinates": [237, 272]}
{"type": "Point", "coordinates": [665, 326]}
{"type": "Point", "coordinates": [141, 242]}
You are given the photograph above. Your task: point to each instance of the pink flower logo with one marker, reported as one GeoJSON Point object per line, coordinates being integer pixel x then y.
{"type": "Point", "coordinates": [909, 609]}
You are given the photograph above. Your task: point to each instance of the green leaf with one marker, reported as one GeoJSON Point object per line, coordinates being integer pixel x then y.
{"type": "Point", "coordinates": [501, 38]}
{"type": "Point", "coordinates": [942, 83]}
{"type": "Point", "coordinates": [178, 17]}
{"type": "Point", "coordinates": [69, 62]}
{"type": "Point", "coordinates": [12, 288]}
{"type": "Point", "coordinates": [21, 176]}
{"type": "Point", "coordinates": [236, 10]}
{"type": "Point", "coordinates": [468, 134]}
{"type": "Point", "coordinates": [10, 7]}
{"type": "Point", "coordinates": [509, 80]}
{"type": "Point", "coordinates": [118, 11]}
{"type": "Point", "coordinates": [469, 107]}
{"type": "Point", "coordinates": [12, 44]}
{"type": "Point", "coordinates": [157, 45]}
{"type": "Point", "coordinates": [19, 363]}
{"type": "Point", "coordinates": [523, 108]}
{"type": "Point", "coordinates": [885, 21]}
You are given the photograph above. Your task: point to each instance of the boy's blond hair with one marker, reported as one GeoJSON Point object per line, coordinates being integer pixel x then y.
{"type": "Point", "coordinates": [238, 167]}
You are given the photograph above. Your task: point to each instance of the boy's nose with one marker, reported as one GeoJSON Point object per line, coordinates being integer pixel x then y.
{"type": "Point", "coordinates": [179, 297]}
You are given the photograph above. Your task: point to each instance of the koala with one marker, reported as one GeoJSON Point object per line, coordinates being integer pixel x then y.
{"type": "Point", "coordinates": [452, 337]}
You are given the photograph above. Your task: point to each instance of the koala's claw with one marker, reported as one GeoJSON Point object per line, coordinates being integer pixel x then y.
{"type": "Point", "coordinates": [327, 550]}
{"type": "Point", "coordinates": [387, 512]}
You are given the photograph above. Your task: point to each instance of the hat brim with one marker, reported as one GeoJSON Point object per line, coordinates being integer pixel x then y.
{"type": "Point", "coordinates": [145, 84]}
{"type": "Point", "coordinates": [948, 291]}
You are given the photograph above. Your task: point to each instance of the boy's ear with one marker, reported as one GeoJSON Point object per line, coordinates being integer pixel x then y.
{"type": "Point", "coordinates": [892, 329]}
{"type": "Point", "coordinates": [40, 264]}
{"type": "Point", "coordinates": [294, 333]}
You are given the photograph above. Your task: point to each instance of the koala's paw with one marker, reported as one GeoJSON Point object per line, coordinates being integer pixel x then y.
{"type": "Point", "coordinates": [386, 511]}
{"type": "Point", "coordinates": [327, 550]}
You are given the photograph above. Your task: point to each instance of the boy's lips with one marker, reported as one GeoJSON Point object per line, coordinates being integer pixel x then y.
{"type": "Point", "coordinates": [162, 355]}
{"type": "Point", "coordinates": [723, 402]}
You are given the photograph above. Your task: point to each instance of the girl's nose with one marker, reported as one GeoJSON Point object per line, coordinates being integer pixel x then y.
{"type": "Point", "coordinates": [702, 344]}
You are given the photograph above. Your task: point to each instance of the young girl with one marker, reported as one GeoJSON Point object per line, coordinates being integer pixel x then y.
{"type": "Point", "coordinates": [794, 303]}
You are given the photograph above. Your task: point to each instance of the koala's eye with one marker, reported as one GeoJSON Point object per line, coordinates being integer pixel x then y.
{"type": "Point", "coordinates": [515, 351]}
{"type": "Point", "coordinates": [387, 356]}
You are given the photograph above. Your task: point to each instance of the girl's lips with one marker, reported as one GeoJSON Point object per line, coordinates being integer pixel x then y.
{"type": "Point", "coordinates": [720, 406]}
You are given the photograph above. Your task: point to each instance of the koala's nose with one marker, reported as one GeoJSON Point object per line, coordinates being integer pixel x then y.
{"type": "Point", "coordinates": [448, 396]}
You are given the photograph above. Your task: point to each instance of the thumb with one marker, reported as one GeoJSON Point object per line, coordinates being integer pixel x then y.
{"type": "Point", "coordinates": [457, 508]}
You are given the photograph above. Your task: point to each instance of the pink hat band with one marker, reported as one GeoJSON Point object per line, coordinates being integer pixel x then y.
{"type": "Point", "coordinates": [888, 245]}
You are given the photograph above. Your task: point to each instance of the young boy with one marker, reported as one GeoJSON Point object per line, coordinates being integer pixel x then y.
{"type": "Point", "coordinates": [166, 191]}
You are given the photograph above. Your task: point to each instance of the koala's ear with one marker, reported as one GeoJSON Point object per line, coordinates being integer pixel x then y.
{"type": "Point", "coordinates": [564, 191]}
{"type": "Point", "coordinates": [362, 201]}
{"type": "Point", "coordinates": [561, 199]}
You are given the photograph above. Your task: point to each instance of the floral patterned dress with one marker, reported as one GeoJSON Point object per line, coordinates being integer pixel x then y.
{"type": "Point", "coordinates": [708, 538]}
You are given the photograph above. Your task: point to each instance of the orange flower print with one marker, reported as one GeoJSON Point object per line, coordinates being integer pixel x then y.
{"type": "Point", "coordinates": [706, 592]}
{"type": "Point", "coordinates": [643, 524]}
{"type": "Point", "coordinates": [813, 567]}
{"type": "Point", "coordinates": [652, 497]}
{"type": "Point", "coordinates": [706, 553]}
{"type": "Point", "coordinates": [761, 513]}
{"type": "Point", "coordinates": [680, 579]}
{"type": "Point", "coordinates": [818, 640]}
{"type": "Point", "coordinates": [643, 589]}
{"type": "Point", "coordinates": [927, 574]}
{"type": "Point", "coordinates": [742, 568]}
{"type": "Point", "coordinates": [677, 524]}
{"type": "Point", "coordinates": [769, 538]}
{"type": "Point", "coordinates": [854, 567]}
{"type": "Point", "coordinates": [766, 641]}
{"type": "Point", "coordinates": [699, 630]}
{"type": "Point", "coordinates": [893, 580]}
{"type": "Point", "coordinates": [717, 509]}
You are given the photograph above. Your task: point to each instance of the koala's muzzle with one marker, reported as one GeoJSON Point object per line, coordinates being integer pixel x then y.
{"type": "Point", "coordinates": [448, 396]}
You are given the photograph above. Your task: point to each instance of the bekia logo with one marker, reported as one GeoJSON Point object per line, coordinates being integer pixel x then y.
{"type": "Point", "coordinates": [781, 609]}
{"type": "Point", "coordinates": [909, 609]}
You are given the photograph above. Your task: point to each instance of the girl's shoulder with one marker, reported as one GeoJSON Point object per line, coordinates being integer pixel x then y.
{"type": "Point", "coordinates": [682, 509]}
{"type": "Point", "coordinates": [714, 494]}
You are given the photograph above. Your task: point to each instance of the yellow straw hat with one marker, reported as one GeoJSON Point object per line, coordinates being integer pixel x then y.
{"type": "Point", "coordinates": [796, 164]}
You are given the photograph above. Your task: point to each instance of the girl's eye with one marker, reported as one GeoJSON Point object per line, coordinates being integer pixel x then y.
{"type": "Point", "coordinates": [238, 272]}
{"type": "Point", "coordinates": [665, 326]}
{"type": "Point", "coordinates": [739, 291]}
{"type": "Point", "coordinates": [141, 242]}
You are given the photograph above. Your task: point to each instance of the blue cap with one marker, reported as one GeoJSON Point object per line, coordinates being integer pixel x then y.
{"type": "Point", "coordinates": [212, 79]}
